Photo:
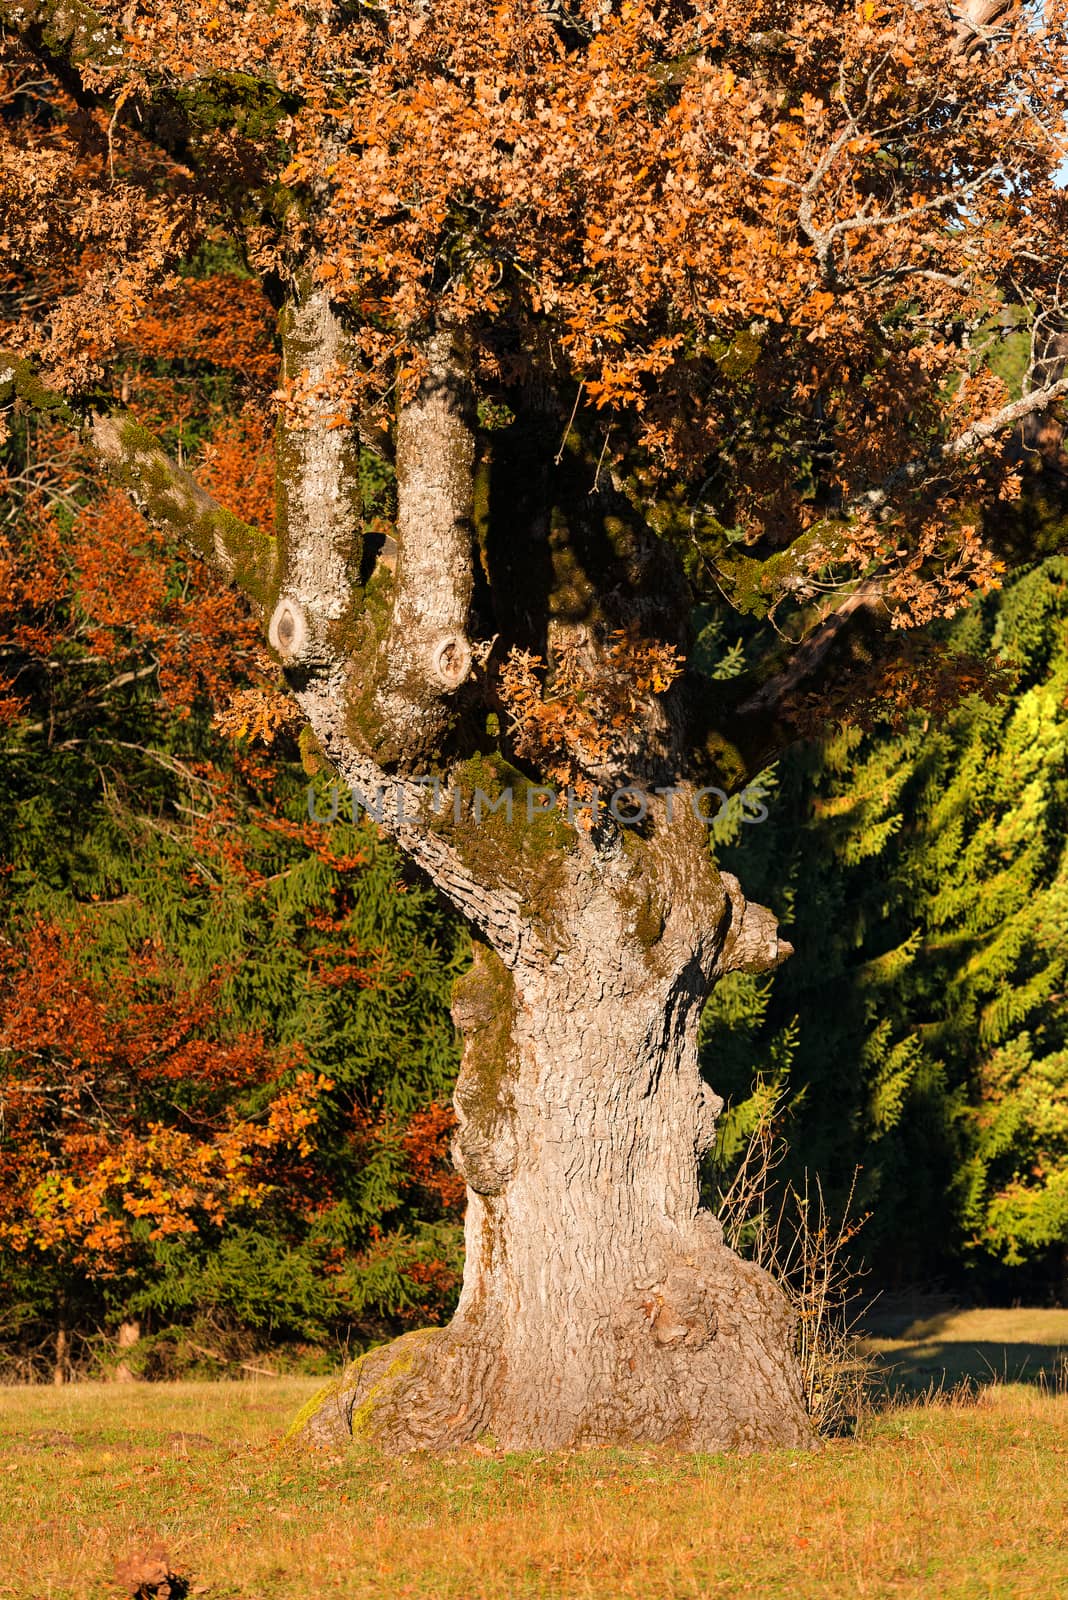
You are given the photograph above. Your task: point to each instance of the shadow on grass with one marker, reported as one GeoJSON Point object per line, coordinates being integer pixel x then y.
{"type": "Point", "coordinates": [908, 1369]}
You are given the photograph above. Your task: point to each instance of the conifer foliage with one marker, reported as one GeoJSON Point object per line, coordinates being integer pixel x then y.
{"type": "Point", "coordinates": [921, 1027]}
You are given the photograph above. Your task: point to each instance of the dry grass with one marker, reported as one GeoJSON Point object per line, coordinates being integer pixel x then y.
{"type": "Point", "coordinates": [944, 1502]}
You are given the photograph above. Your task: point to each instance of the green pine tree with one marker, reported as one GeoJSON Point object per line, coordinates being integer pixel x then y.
{"type": "Point", "coordinates": [922, 1024]}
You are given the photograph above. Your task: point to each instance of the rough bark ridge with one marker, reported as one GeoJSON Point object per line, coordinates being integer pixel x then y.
{"type": "Point", "coordinates": [599, 1303]}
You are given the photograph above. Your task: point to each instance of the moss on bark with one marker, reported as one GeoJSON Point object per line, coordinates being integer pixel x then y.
{"type": "Point", "coordinates": [19, 381]}
{"type": "Point", "coordinates": [483, 1007]}
{"type": "Point", "coordinates": [756, 585]}
{"type": "Point", "coordinates": [524, 850]}
{"type": "Point", "coordinates": [169, 495]}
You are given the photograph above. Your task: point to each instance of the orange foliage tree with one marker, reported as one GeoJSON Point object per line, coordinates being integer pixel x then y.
{"type": "Point", "coordinates": [629, 300]}
{"type": "Point", "coordinates": [165, 1136]}
{"type": "Point", "coordinates": [93, 1079]}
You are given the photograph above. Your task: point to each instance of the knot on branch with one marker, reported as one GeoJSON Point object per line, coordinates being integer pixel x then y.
{"type": "Point", "coordinates": [752, 943]}
{"type": "Point", "coordinates": [450, 661]}
{"type": "Point", "coordinates": [287, 632]}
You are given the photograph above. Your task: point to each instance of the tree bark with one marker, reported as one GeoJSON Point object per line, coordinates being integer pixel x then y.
{"type": "Point", "coordinates": [61, 1362]}
{"type": "Point", "coordinates": [426, 655]}
{"type": "Point", "coordinates": [129, 1336]}
{"type": "Point", "coordinates": [600, 1304]}
{"type": "Point", "coordinates": [599, 1301]}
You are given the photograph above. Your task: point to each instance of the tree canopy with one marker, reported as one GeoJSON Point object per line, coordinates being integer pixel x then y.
{"type": "Point", "coordinates": [770, 257]}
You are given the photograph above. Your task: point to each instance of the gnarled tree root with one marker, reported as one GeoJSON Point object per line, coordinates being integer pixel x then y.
{"type": "Point", "coordinates": [702, 1360]}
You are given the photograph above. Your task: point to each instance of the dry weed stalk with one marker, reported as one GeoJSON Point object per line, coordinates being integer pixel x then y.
{"type": "Point", "coordinates": [789, 1231]}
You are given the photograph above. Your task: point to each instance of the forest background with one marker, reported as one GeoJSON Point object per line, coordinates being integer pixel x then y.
{"type": "Point", "coordinates": [226, 1054]}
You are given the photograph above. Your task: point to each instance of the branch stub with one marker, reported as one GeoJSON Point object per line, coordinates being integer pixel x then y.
{"type": "Point", "coordinates": [288, 630]}
{"type": "Point", "coordinates": [450, 659]}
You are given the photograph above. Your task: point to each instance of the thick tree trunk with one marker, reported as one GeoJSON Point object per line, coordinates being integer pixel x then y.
{"type": "Point", "coordinates": [599, 1304]}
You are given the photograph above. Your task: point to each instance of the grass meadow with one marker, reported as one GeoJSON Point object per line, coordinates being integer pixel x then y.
{"type": "Point", "coordinates": [945, 1496]}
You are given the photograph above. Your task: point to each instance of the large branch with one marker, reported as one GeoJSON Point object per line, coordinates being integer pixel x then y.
{"type": "Point", "coordinates": [760, 582]}
{"type": "Point", "coordinates": [821, 544]}
{"type": "Point", "coordinates": [811, 651]}
{"type": "Point", "coordinates": [317, 474]}
{"type": "Point", "coordinates": [396, 638]}
{"type": "Point", "coordinates": [169, 497]}
{"type": "Point", "coordinates": [360, 647]}
{"type": "Point", "coordinates": [402, 807]}
{"type": "Point", "coordinates": [967, 443]}
{"type": "Point", "coordinates": [167, 494]}
{"type": "Point", "coordinates": [426, 655]}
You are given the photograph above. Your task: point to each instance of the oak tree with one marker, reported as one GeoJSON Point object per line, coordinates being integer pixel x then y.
{"type": "Point", "coordinates": [633, 302]}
